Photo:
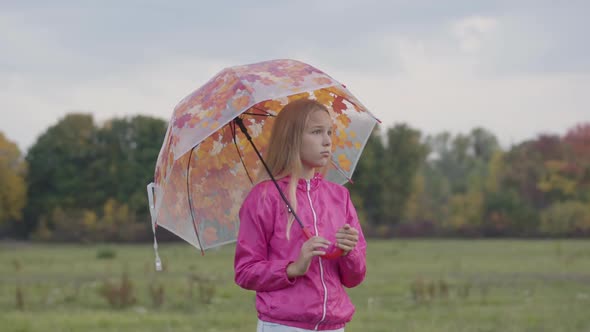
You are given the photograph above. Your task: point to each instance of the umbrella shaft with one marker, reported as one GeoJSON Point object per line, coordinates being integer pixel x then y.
{"type": "Point", "coordinates": [244, 130]}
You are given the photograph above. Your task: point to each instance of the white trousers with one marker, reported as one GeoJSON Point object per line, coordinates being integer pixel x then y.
{"type": "Point", "coordinates": [274, 327]}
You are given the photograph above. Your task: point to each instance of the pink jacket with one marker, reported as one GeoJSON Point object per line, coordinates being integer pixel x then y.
{"type": "Point", "coordinates": [316, 300]}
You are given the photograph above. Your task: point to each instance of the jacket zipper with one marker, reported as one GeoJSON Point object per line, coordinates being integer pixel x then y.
{"type": "Point", "coordinates": [315, 225]}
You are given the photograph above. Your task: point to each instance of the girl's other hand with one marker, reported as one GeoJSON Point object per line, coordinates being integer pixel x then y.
{"type": "Point", "coordinates": [346, 238]}
{"type": "Point", "coordinates": [315, 246]}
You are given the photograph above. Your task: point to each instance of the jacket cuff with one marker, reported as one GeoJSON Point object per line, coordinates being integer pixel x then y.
{"type": "Point", "coordinates": [351, 255]}
{"type": "Point", "coordinates": [283, 270]}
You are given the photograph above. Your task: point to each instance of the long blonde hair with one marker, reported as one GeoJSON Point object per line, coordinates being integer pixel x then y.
{"type": "Point", "coordinates": [283, 155]}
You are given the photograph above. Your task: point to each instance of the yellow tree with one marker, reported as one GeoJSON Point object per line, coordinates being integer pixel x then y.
{"type": "Point", "coordinates": [12, 181]}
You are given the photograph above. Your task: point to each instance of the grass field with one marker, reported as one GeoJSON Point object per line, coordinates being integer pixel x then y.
{"type": "Point", "coordinates": [411, 285]}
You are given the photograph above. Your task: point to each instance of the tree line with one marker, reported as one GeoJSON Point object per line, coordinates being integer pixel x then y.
{"type": "Point", "coordinates": [84, 182]}
{"type": "Point", "coordinates": [409, 184]}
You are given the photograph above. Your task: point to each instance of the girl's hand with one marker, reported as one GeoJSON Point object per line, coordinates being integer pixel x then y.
{"type": "Point", "coordinates": [313, 247]}
{"type": "Point", "coordinates": [347, 238]}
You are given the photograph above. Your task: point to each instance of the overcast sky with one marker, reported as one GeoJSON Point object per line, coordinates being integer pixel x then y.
{"type": "Point", "coordinates": [517, 68]}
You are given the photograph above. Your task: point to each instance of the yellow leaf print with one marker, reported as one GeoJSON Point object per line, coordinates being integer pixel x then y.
{"type": "Point", "coordinates": [344, 162]}
{"type": "Point", "coordinates": [324, 97]}
{"type": "Point", "coordinates": [273, 105]}
{"type": "Point", "coordinates": [343, 135]}
{"type": "Point", "coordinates": [298, 96]}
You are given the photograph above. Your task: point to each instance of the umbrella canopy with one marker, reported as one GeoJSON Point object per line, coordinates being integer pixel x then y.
{"type": "Point", "coordinates": [206, 165]}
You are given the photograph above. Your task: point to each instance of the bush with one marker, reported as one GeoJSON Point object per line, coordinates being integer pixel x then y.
{"type": "Point", "coordinates": [118, 295]}
{"type": "Point", "coordinates": [566, 218]}
{"type": "Point", "coordinates": [106, 253]}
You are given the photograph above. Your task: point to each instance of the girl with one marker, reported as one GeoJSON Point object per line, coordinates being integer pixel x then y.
{"type": "Point", "coordinates": [297, 289]}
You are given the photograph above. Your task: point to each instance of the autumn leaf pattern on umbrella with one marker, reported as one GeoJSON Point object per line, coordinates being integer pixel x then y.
{"type": "Point", "coordinates": [205, 164]}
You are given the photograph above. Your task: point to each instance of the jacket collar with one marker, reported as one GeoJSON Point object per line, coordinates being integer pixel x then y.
{"type": "Point", "coordinates": [314, 182]}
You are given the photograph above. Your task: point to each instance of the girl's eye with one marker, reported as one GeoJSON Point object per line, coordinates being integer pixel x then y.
{"type": "Point", "coordinates": [329, 133]}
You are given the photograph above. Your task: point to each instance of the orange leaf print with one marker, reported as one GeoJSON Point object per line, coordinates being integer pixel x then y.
{"type": "Point", "coordinates": [226, 135]}
{"type": "Point", "coordinates": [344, 162]}
{"type": "Point", "coordinates": [204, 148]}
{"type": "Point", "coordinates": [240, 102]}
{"type": "Point", "coordinates": [273, 105]}
{"type": "Point", "coordinates": [210, 234]}
{"type": "Point", "coordinates": [324, 97]}
{"type": "Point", "coordinates": [343, 119]}
{"type": "Point", "coordinates": [337, 140]}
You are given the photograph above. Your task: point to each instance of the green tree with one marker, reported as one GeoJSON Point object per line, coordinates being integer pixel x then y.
{"type": "Point", "coordinates": [61, 172]}
{"type": "Point", "coordinates": [366, 189]}
{"type": "Point", "coordinates": [79, 167]}
{"type": "Point", "coordinates": [404, 154]}
{"type": "Point", "coordinates": [462, 159]}
{"type": "Point", "coordinates": [455, 177]}
{"type": "Point", "coordinates": [128, 149]}
{"type": "Point", "coordinates": [506, 213]}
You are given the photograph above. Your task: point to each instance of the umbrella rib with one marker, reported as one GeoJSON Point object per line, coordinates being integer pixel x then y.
{"type": "Point", "coordinates": [261, 110]}
{"type": "Point", "coordinates": [233, 132]}
{"type": "Point", "coordinates": [341, 171]}
{"type": "Point", "coordinates": [190, 201]}
{"type": "Point", "coordinates": [240, 123]}
{"type": "Point", "coordinates": [248, 113]}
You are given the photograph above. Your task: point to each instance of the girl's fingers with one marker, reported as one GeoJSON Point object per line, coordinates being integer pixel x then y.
{"type": "Point", "coordinates": [345, 247]}
{"type": "Point", "coordinates": [347, 243]}
{"type": "Point", "coordinates": [349, 230]}
{"type": "Point", "coordinates": [320, 246]}
{"type": "Point", "coordinates": [346, 237]}
{"type": "Point", "coordinates": [352, 231]}
{"type": "Point", "coordinates": [316, 243]}
{"type": "Point", "coordinates": [350, 236]}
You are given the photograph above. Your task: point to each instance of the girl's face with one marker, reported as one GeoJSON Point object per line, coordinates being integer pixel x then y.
{"type": "Point", "coordinates": [316, 144]}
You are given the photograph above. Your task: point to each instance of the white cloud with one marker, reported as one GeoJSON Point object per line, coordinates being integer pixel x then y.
{"type": "Point", "coordinates": [436, 91]}
{"type": "Point", "coordinates": [472, 32]}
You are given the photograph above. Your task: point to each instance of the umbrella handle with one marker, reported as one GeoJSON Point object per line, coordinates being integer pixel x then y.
{"type": "Point", "coordinates": [332, 252]}
{"type": "Point", "coordinates": [150, 191]}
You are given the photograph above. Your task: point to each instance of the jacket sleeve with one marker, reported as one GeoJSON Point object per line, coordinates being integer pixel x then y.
{"type": "Point", "coordinates": [352, 267]}
{"type": "Point", "coordinates": [252, 268]}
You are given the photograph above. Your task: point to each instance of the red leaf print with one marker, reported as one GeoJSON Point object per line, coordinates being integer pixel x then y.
{"type": "Point", "coordinates": [181, 121]}
{"type": "Point", "coordinates": [338, 105]}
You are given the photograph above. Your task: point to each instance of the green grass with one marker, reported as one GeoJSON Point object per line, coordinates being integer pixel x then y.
{"type": "Point", "coordinates": [488, 285]}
